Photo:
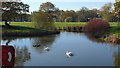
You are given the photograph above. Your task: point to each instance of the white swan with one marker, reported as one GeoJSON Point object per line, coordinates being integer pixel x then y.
{"type": "Point", "coordinates": [69, 54]}
{"type": "Point", "coordinates": [46, 48]}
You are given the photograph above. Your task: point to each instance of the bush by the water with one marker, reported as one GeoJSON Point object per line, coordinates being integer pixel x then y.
{"type": "Point", "coordinates": [96, 27]}
{"type": "Point", "coordinates": [42, 20]}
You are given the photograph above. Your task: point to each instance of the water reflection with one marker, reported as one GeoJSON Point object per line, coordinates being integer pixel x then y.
{"type": "Point", "coordinates": [96, 40]}
{"type": "Point", "coordinates": [117, 58]}
{"type": "Point", "coordinates": [21, 55]}
{"type": "Point", "coordinates": [44, 42]}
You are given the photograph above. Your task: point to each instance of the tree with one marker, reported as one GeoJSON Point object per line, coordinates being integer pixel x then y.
{"type": "Point", "coordinates": [56, 15]}
{"type": "Point", "coordinates": [105, 12]}
{"type": "Point", "coordinates": [50, 8]}
{"type": "Point", "coordinates": [13, 10]}
{"type": "Point", "coordinates": [42, 20]}
{"type": "Point", "coordinates": [83, 14]}
{"type": "Point", "coordinates": [93, 13]}
{"type": "Point", "coordinates": [117, 9]}
{"type": "Point", "coordinates": [69, 16]}
{"type": "Point", "coordinates": [44, 17]}
{"type": "Point", "coordinates": [47, 7]}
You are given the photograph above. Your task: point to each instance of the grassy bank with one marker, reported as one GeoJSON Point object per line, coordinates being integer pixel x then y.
{"type": "Point", "coordinates": [115, 29]}
{"type": "Point", "coordinates": [66, 24]}
{"type": "Point", "coordinates": [29, 26]}
{"type": "Point", "coordinates": [57, 24]}
{"type": "Point", "coordinates": [23, 29]}
{"type": "Point", "coordinates": [23, 24]}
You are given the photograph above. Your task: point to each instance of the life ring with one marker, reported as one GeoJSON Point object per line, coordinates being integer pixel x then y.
{"type": "Point", "coordinates": [8, 55]}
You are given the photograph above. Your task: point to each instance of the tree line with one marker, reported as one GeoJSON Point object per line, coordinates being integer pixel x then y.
{"type": "Point", "coordinates": [83, 15]}
{"type": "Point", "coordinates": [18, 11]}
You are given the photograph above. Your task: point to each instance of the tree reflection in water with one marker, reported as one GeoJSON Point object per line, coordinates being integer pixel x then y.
{"type": "Point", "coordinates": [44, 41]}
{"type": "Point", "coordinates": [117, 58]}
{"type": "Point", "coordinates": [115, 54]}
{"type": "Point", "coordinates": [21, 55]}
{"type": "Point", "coordinates": [98, 40]}
{"type": "Point", "coordinates": [101, 41]}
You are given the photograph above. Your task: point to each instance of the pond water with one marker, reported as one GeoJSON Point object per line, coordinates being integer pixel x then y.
{"type": "Point", "coordinates": [87, 52]}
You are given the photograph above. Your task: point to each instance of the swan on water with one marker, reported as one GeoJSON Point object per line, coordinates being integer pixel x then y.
{"type": "Point", "coordinates": [47, 49]}
{"type": "Point", "coordinates": [69, 54]}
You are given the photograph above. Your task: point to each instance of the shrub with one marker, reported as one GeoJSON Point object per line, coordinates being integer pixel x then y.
{"type": "Point", "coordinates": [96, 27]}
{"type": "Point", "coordinates": [42, 20]}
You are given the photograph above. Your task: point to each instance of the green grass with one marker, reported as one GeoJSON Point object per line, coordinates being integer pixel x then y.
{"type": "Point", "coordinates": [21, 27]}
{"type": "Point", "coordinates": [57, 24]}
{"type": "Point", "coordinates": [28, 26]}
{"type": "Point", "coordinates": [24, 24]}
{"type": "Point", "coordinates": [66, 24]}
{"type": "Point", "coordinates": [115, 29]}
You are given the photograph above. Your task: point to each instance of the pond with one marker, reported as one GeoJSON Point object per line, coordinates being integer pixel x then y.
{"type": "Point", "coordinates": [87, 52]}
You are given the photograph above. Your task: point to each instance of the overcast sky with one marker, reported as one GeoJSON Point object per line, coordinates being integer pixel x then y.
{"type": "Point", "coordinates": [68, 4]}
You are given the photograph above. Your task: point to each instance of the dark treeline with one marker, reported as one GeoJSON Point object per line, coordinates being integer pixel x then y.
{"type": "Point", "coordinates": [15, 11]}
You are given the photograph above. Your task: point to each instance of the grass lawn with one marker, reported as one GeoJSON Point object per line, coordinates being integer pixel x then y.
{"type": "Point", "coordinates": [21, 27]}
{"type": "Point", "coordinates": [24, 24]}
{"type": "Point", "coordinates": [66, 24]}
{"type": "Point", "coordinates": [57, 24]}
{"type": "Point", "coordinates": [115, 29]}
{"type": "Point", "coordinates": [27, 26]}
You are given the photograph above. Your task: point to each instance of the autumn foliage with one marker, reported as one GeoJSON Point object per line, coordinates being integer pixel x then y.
{"type": "Point", "coordinates": [96, 27]}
